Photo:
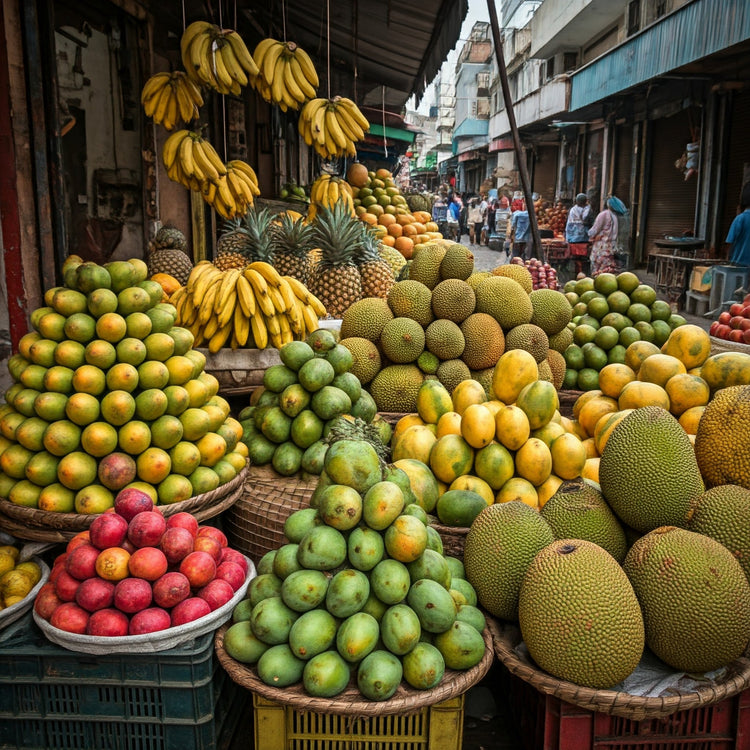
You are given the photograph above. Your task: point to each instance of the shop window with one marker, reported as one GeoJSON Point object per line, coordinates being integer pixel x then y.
{"type": "Point", "coordinates": [634, 16]}
{"type": "Point", "coordinates": [570, 60]}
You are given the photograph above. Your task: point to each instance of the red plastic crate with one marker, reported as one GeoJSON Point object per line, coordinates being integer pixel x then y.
{"type": "Point", "coordinates": [544, 722]}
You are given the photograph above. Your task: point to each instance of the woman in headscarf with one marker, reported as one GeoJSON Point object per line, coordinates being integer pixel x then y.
{"type": "Point", "coordinates": [608, 235]}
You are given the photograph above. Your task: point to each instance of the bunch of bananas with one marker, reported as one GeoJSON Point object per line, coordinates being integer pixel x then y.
{"type": "Point", "coordinates": [217, 57]}
{"type": "Point", "coordinates": [247, 307]}
{"type": "Point", "coordinates": [193, 162]}
{"type": "Point", "coordinates": [332, 126]}
{"type": "Point", "coordinates": [171, 97]}
{"type": "Point", "coordinates": [327, 191]}
{"type": "Point", "coordinates": [287, 74]}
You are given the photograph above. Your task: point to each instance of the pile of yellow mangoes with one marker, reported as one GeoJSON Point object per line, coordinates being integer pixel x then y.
{"type": "Point", "coordinates": [16, 578]}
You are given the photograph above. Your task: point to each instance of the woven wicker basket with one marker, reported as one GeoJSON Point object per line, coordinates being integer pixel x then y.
{"type": "Point", "coordinates": [506, 637]}
{"type": "Point", "coordinates": [351, 702]}
{"type": "Point", "coordinates": [722, 345]}
{"type": "Point", "coordinates": [567, 399]}
{"type": "Point", "coordinates": [48, 526]}
{"type": "Point", "coordinates": [453, 538]}
{"type": "Point", "coordinates": [255, 523]}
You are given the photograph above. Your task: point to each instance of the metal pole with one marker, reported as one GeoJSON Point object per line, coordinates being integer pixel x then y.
{"type": "Point", "coordinates": [520, 157]}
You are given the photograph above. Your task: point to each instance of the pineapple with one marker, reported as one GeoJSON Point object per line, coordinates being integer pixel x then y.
{"type": "Point", "coordinates": [167, 253]}
{"type": "Point", "coordinates": [376, 274]}
{"type": "Point", "coordinates": [232, 247]}
{"type": "Point", "coordinates": [171, 237]}
{"type": "Point", "coordinates": [335, 280]}
{"type": "Point", "coordinates": [292, 241]}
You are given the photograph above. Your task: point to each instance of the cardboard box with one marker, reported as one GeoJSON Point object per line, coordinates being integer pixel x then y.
{"type": "Point", "coordinates": [700, 281]}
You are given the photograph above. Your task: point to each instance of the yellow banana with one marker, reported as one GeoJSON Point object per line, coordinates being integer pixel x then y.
{"type": "Point", "coordinates": [220, 70]}
{"type": "Point", "coordinates": [243, 167]}
{"type": "Point", "coordinates": [187, 162]}
{"type": "Point", "coordinates": [199, 51]}
{"type": "Point", "coordinates": [304, 130]}
{"type": "Point", "coordinates": [306, 86]}
{"type": "Point", "coordinates": [192, 90]}
{"type": "Point", "coordinates": [261, 48]}
{"type": "Point", "coordinates": [317, 306]}
{"type": "Point", "coordinates": [245, 295]}
{"type": "Point", "coordinates": [214, 157]}
{"type": "Point", "coordinates": [241, 324]}
{"type": "Point", "coordinates": [229, 287]}
{"type": "Point", "coordinates": [202, 161]}
{"type": "Point", "coordinates": [203, 285]}
{"type": "Point", "coordinates": [349, 125]}
{"type": "Point", "coordinates": [227, 312]}
{"type": "Point", "coordinates": [278, 301]}
{"type": "Point", "coordinates": [276, 339]}
{"type": "Point", "coordinates": [310, 317]}
{"type": "Point", "coordinates": [152, 85]}
{"type": "Point", "coordinates": [226, 195]}
{"type": "Point", "coordinates": [172, 114]}
{"type": "Point", "coordinates": [332, 196]}
{"type": "Point", "coordinates": [161, 106]}
{"type": "Point", "coordinates": [286, 292]}
{"type": "Point", "coordinates": [219, 338]}
{"type": "Point", "coordinates": [272, 324]}
{"type": "Point", "coordinates": [258, 283]}
{"type": "Point", "coordinates": [171, 147]}
{"type": "Point", "coordinates": [186, 107]}
{"type": "Point", "coordinates": [307, 67]}
{"type": "Point", "coordinates": [298, 288]}
{"type": "Point", "coordinates": [210, 327]}
{"type": "Point", "coordinates": [240, 190]}
{"type": "Point", "coordinates": [189, 310]}
{"type": "Point", "coordinates": [286, 330]}
{"type": "Point", "coordinates": [198, 270]}
{"type": "Point", "coordinates": [267, 271]}
{"type": "Point", "coordinates": [277, 80]}
{"type": "Point", "coordinates": [224, 288]}
{"type": "Point", "coordinates": [235, 70]}
{"type": "Point", "coordinates": [269, 61]}
{"type": "Point", "coordinates": [334, 129]}
{"type": "Point", "coordinates": [259, 330]}
{"type": "Point", "coordinates": [206, 311]}
{"type": "Point", "coordinates": [242, 53]}
{"type": "Point", "coordinates": [193, 31]}
{"type": "Point", "coordinates": [296, 321]}
{"type": "Point", "coordinates": [354, 110]}
{"type": "Point", "coordinates": [318, 124]}
{"type": "Point", "coordinates": [290, 82]}
{"type": "Point", "coordinates": [208, 192]}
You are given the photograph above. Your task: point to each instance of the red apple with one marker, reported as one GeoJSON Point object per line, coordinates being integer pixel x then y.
{"type": "Point", "coordinates": [94, 594]}
{"type": "Point", "coordinates": [81, 562]}
{"type": "Point", "coordinates": [214, 533]}
{"type": "Point", "coordinates": [735, 321]}
{"type": "Point", "coordinates": [108, 530]}
{"type": "Point", "coordinates": [190, 609]}
{"type": "Point", "coordinates": [146, 528]}
{"type": "Point", "coordinates": [736, 308]}
{"type": "Point", "coordinates": [736, 335]}
{"type": "Point", "coordinates": [185, 520]}
{"type": "Point", "coordinates": [725, 317]}
{"type": "Point", "coordinates": [171, 589]}
{"type": "Point", "coordinates": [149, 621]}
{"type": "Point", "coordinates": [107, 622]}
{"type": "Point", "coordinates": [176, 543]}
{"type": "Point", "coordinates": [70, 617]}
{"type": "Point", "coordinates": [714, 327]}
{"type": "Point", "coordinates": [131, 501]}
{"type": "Point", "coordinates": [199, 567]}
{"type": "Point", "coordinates": [210, 545]}
{"type": "Point", "coordinates": [723, 331]}
{"type": "Point", "coordinates": [746, 336]}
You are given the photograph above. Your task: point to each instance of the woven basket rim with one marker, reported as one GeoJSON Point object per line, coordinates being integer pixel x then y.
{"type": "Point", "coordinates": [52, 520]}
{"type": "Point", "coordinates": [266, 472]}
{"type": "Point", "coordinates": [506, 637]}
{"type": "Point", "coordinates": [455, 530]}
{"type": "Point", "coordinates": [351, 702]}
{"type": "Point", "coordinates": [730, 346]}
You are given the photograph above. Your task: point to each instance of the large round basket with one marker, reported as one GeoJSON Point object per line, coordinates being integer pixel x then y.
{"type": "Point", "coordinates": [506, 637]}
{"type": "Point", "coordinates": [255, 523]}
{"type": "Point", "coordinates": [567, 399]}
{"type": "Point", "coordinates": [453, 538]}
{"type": "Point", "coordinates": [351, 702]}
{"type": "Point", "coordinates": [722, 345]}
{"type": "Point", "coordinates": [47, 526]}
{"type": "Point", "coordinates": [239, 371]}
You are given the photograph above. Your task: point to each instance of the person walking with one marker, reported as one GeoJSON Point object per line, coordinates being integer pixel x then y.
{"type": "Point", "coordinates": [608, 235]}
{"type": "Point", "coordinates": [520, 232]}
{"type": "Point", "coordinates": [502, 221]}
{"type": "Point", "coordinates": [453, 218]}
{"type": "Point", "coordinates": [738, 236]}
{"type": "Point", "coordinates": [579, 222]}
{"type": "Point", "coordinates": [440, 213]}
{"type": "Point", "coordinates": [476, 220]}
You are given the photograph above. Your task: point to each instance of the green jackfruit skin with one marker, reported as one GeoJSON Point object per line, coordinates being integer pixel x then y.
{"type": "Point", "coordinates": [562, 340]}
{"type": "Point", "coordinates": [530, 338]}
{"type": "Point", "coordinates": [484, 378]}
{"type": "Point", "coordinates": [411, 299]}
{"type": "Point", "coordinates": [477, 277]}
{"type": "Point", "coordinates": [578, 510]}
{"type": "Point", "coordinates": [485, 341]}
{"type": "Point", "coordinates": [402, 340]}
{"type": "Point", "coordinates": [505, 300]}
{"type": "Point", "coordinates": [518, 273]}
{"type": "Point", "coordinates": [451, 372]}
{"type": "Point", "coordinates": [545, 371]}
{"type": "Point", "coordinates": [444, 339]}
{"type": "Point", "coordinates": [366, 358]}
{"type": "Point", "coordinates": [425, 265]}
{"type": "Point", "coordinates": [499, 547]}
{"type": "Point", "coordinates": [694, 596]}
{"type": "Point", "coordinates": [365, 319]}
{"type": "Point", "coordinates": [723, 513]}
{"type": "Point", "coordinates": [457, 263]}
{"type": "Point", "coordinates": [395, 388]}
{"type": "Point", "coordinates": [647, 472]}
{"type": "Point", "coordinates": [579, 615]}
{"type": "Point", "coordinates": [428, 363]}
{"type": "Point", "coordinates": [557, 366]}
{"type": "Point", "coordinates": [552, 311]}
{"type": "Point", "coordinates": [453, 299]}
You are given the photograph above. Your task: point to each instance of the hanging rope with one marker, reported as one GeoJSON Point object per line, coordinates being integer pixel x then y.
{"type": "Point", "coordinates": [328, 43]}
{"type": "Point", "coordinates": [283, 18]}
{"type": "Point", "coordinates": [355, 23]}
{"type": "Point", "coordinates": [382, 104]}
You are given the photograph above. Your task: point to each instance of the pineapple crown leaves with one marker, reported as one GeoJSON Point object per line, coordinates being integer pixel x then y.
{"type": "Point", "coordinates": [368, 249]}
{"type": "Point", "coordinates": [337, 233]}
{"type": "Point", "coordinates": [291, 236]}
{"type": "Point", "coordinates": [255, 226]}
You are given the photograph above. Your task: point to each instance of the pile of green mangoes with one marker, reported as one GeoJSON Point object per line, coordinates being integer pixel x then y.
{"type": "Point", "coordinates": [361, 592]}
{"type": "Point", "coordinates": [290, 415]}
{"type": "Point", "coordinates": [610, 312]}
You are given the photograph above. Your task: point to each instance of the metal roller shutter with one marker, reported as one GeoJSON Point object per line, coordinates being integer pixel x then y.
{"type": "Point", "coordinates": [738, 164]}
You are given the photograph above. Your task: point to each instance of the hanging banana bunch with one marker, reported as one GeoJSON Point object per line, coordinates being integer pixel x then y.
{"type": "Point", "coordinates": [217, 58]}
{"type": "Point", "coordinates": [332, 126]}
{"type": "Point", "coordinates": [326, 191]}
{"type": "Point", "coordinates": [170, 97]}
{"type": "Point", "coordinates": [287, 75]}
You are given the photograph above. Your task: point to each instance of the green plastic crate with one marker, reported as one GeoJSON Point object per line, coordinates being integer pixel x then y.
{"type": "Point", "coordinates": [54, 698]}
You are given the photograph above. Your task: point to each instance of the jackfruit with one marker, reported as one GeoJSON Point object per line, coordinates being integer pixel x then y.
{"type": "Point", "coordinates": [579, 615]}
{"type": "Point", "coordinates": [648, 472]}
{"type": "Point", "coordinates": [562, 340]}
{"type": "Point", "coordinates": [393, 258]}
{"type": "Point", "coordinates": [454, 300]}
{"type": "Point", "coordinates": [365, 319]}
{"type": "Point", "coordinates": [451, 372]}
{"type": "Point", "coordinates": [499, 547]}
{"type": "Point", "coordinates": [485, 341]}
{"type": "Point", "coordinates": [505, 300]}
{"type": "Point", "coordinates": [457, 263]}
{"type": "Point", "coordinates": [578, 510]}
{"type": "Point", "coordinates": [552, 311]}
{"type": "Point", "coordinates": [425, 265]}
{"type": "Point", "coordinates": [484, 378]}
{"type": "Point", "coordinates": [428, 363]}
{"type": "Point", "coordinates": [395, 388]}
{"type": "Point", "coordinates": [545, 371]}
{"type": "Point", "coordinates": [519, 273]}
{"type": "Point", "coordinates": [694, 596]}
{"type": "Point", "coordinates": [557, 366]}
{"type": "Point", "coordinates": [402, 340]}
{"type": "Point", "coordinates": [366, 358]}
{"type": "Point", "coordinates": [411, 299]}
{"type": "Point", "coordinates": [444, 339]}
{"type": "Point", "coordinates": [723, 513]}
{"type": "Point", "coordinates": [477, 277]}
{"type": "Point", "coordinates": [530, 338]}
{"type": "Point", "coordinates": [722, 442]}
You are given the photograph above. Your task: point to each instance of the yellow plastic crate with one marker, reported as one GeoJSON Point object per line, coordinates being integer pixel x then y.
{"type": "Point", "coordinates": [280, 727]}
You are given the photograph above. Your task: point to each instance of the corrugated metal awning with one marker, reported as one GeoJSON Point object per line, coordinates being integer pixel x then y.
{"type": "Point", "coordinates": [694, 31]}
{"type": "Point", "coordinates": [471, 127]}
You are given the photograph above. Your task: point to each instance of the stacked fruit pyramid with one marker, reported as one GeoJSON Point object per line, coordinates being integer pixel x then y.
{"type": "Point", "coordinates": [109, 393]}
{"type": "Point", "coordinates": [449, 322]}
{"type": "Point", "coordinates": [610, 313]}
{"type": "Point", "coordinates": [361, 592]}
{"type": "Point", "coordinates": [300, 400]}
{"type": "Point", "coordinates": [654, 557]}
{"type": "Point", "coordinates": [135, 572]}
